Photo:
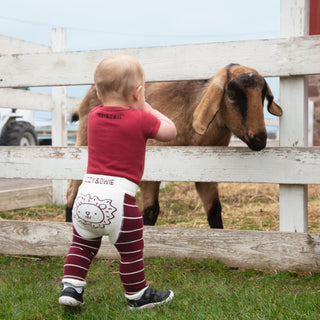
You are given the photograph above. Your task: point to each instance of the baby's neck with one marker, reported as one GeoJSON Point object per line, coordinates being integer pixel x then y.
{"type": "Point", "coordinates": [117, 103]}
{"type": "Point", "coordinates": [121, 103]}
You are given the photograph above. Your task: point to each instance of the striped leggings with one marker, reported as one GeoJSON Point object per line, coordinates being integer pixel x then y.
{"type": "Point", "coordinates": [129, 245]}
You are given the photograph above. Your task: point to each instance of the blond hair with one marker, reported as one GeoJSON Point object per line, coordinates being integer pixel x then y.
{"type": "Point", "coordinates": [118, 76]}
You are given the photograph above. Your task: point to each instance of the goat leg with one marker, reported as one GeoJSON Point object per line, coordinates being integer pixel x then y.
{"type": "Point", "coordinates": [149, 202]}
{"type": "Point", "coordinates": [208, 192]}
{"type": "Point", "coordinates": [71, 195]}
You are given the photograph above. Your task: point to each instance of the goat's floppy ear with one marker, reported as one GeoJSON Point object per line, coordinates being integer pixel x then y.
{"type": "Point", "coordinates": [273, 108]}
{"type": "Point", "coordinates": [209, 105]}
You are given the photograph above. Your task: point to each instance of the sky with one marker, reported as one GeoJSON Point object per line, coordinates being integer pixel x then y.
{"type": "Point", "coordinates": [97, 24]}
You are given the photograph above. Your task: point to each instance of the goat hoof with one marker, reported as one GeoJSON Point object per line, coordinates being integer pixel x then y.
{"type": "Point", "coordinates": [68, 214]}
{"type": "Point", "coordinates": [214, 215]}
{"type": "Point", "coordinates": [150, 214]}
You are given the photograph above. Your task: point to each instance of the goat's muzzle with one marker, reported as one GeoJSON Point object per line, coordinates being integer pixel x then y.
{"type": "Point", "coordinates": [257, 142]}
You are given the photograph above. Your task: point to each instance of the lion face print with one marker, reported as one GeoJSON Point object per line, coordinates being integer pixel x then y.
{"type": "Point", "coordinates": [94, 211]}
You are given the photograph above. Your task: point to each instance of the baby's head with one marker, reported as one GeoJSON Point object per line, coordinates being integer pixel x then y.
{"type": "Point", "coordinates": [117, 76]}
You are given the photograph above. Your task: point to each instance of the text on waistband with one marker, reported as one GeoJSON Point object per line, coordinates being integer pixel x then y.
{"type": "Point", "coordinates": [99, 180]}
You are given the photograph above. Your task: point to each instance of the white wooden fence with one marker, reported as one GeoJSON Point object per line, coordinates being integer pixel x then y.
{"type": "Point", "coordinates": [292, 165]}
{"type": "Point", "coordinates": [57, 102]}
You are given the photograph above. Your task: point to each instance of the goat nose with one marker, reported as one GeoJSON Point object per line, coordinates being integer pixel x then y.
{"type": "Point", "coordinates": [258, 142]}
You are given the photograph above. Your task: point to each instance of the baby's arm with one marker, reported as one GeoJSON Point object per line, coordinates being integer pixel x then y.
{"type": "Point", "coordinates": [167, 130]}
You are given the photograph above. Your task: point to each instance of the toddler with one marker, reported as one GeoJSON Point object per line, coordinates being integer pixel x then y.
{"type": "Point", "coordinates": [118, 130]}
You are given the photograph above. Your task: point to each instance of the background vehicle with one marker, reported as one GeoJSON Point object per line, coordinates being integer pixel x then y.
{"type": "Point", "coordinates": [16, 128]}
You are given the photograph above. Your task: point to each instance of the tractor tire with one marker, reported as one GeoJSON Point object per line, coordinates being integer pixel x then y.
{"type": "Point", "coordinates": [19, 133]}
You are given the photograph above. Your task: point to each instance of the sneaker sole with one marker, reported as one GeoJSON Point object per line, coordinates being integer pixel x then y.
{"type": "Point", "coordinates": [153, 304]}
{"type": "Point", "coordinates": [69, 301]}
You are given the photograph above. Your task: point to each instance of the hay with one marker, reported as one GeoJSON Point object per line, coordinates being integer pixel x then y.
{"type": "Point", "coordinates": [244, 206]}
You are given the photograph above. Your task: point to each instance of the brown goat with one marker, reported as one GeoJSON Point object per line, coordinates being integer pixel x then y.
{"type": "Point", "coordinates": [206, 113]}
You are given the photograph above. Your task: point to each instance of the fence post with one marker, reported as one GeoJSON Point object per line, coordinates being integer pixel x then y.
{"type": "Point", "coordinates": [59, 117]}
{"type": "Point", "coordinates": [294, 122]}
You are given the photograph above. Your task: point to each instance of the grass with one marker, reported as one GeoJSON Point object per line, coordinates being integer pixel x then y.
{"type": "Point", "coordinates": [203, 290]}
{"type": "Point", "coordinates": [30, 286]}
{"type": "Point", "coordinates": [43, 212]}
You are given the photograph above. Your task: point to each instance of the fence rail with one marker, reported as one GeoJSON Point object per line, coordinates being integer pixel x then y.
{"type": "Point", "coordinates": [272, 58]}
{"type": "Point", "coordinates": [233, 164]}
{"type": "Point", "coordinates": [242, 249]}
{"type": "Point", "coordinates": [28, 100]}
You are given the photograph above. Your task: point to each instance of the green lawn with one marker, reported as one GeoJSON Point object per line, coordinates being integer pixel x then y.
{"type": "Point", "coordinates": [30, 287]}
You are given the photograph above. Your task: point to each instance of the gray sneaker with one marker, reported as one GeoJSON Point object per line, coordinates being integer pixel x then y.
{"type": "Point", "coordinates": [151, 298]}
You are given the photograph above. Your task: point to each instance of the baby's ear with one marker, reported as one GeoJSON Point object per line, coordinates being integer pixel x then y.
{"type": "Point", "coordinates": [98, 95]}
{"type": "Point", "coordinates": [137, 93]}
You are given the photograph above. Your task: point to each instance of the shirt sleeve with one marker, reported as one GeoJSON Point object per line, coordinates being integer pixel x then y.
{"type": "Point", "coordinates": [151, 124]}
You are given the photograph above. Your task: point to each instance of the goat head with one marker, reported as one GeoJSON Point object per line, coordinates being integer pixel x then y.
{"type": "Point", "coordinates": [236, 97]}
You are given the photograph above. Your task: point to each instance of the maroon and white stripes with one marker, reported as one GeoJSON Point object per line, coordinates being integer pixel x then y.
{"type": "Point", "coordinates": [79, 257]}
{"type": "Point", "coordinates": [129, 245]}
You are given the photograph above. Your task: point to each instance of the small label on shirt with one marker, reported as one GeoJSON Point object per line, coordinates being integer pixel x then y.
{"type": "Point", "coordinates": [109, 115]}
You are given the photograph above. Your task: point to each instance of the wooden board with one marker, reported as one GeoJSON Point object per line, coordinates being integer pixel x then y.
{"type": "Point", "coordinates": [9, 45]}
{"type": "Point", "coordinates": [243, 249]}
{"type": "Point", "coordinates": [274, 57]}
{"type": "Point", "coordinates": [294, 19]}
{"type": "Point", "coordinates": [25, 197]}
{"type": "Point", "coordinates": [28, 100]}
{"type": "Point", "coordinates": [223, 164]}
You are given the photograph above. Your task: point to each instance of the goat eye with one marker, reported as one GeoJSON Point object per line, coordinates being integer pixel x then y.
{"type": "Point", "coordinates": [231, 94]}
{"type": "Point", "coordinates": [232, 90]}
